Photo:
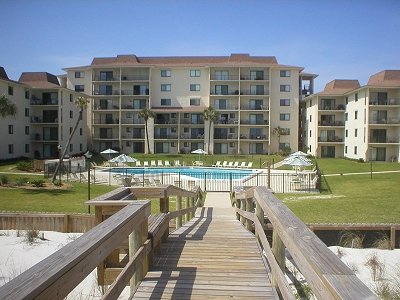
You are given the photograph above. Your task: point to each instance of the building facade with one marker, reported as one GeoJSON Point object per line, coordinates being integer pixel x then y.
{"type": "Point", "coordinates": [353, 121]}
{"type": "Point", "coordinates": [46, 114]}
{"type": "Point", "coordinates": [252, 95]}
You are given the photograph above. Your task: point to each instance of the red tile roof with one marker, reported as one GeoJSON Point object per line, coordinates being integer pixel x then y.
{"type": "Point", "coordinates": [340, 86]}
{"type": "Point", "coordinates": [3, 73]}
{"type": "Point", "coordinates": [385, 78]}
{"type": "Point", "coordinates": [42, 80]}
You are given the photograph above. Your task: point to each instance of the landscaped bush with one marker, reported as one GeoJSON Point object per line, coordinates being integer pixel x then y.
{"type": "Point", "coordinates": [21, 181]}
{"type": "Point", "coordinates": [351, 239]}
{"type": "Point", "coordinates": [26, 165]}
{"type": "Point", "coordinates": [4, 179]}
{"type": "Point", "coordinates": [31, 235]}
{"type": "Point", "coordinates": [38, 183]}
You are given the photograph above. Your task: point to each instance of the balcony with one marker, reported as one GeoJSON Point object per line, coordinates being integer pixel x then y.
{"type": "Point", "coordinates": [135, 92]}
{"type": "Point", "coordinates": [225, 93]}
{"type": "Point", "coordinates": [187, 121]}
{"type": "Point", "coordinates": [327, 123]}
{"type": "Point", "coordinates": [39, 137]}
{"type": "Point", "coordinates": [390, 121]}
{"type": "Point", "coordinates": [37, 101]}
{"type": "Point", "coordinates": [254, 122]}
{"type": "Point", "coordinates": [254, 107]}
{"type": "Point", "coordinates": [253, 77]}
{"type": "Point", "coordinates": [106, 121]}
{"type": "Point", "coordinates": [132, 122]}
{"type": "Point", "coordinates": [391, 101]}
{"type": "Point", "coordinates": [229, 121]}
{"type": "Point", "coordinates": [106, 93]}
{"type": "Point", "coordinates": [105, 136]}
{"type": "Point", "coordinates": [253, 92]}
{"type": "Point", "coordinates": [330, 139]}
{"type": "Point", "coordinates": [106, 78]}
{"type": "Point", "coordinates": [224, 77]}
{"type": "Point", "coordinates": [332, 107]}
{"type": "Point", "coordinates": [227, 107]}
{"type": "Point", "coordinates": [258, 137]}
{"type": "Point", "coordinates": [384, 139]}
{"type": "Point", "coordinates": [167, 122]}
{"type": "Point", "coordinates": [105, 107]}
{"type": "Point", "coordinates": [135, 77]}
{"type": "Point", "coordinates": [38, 120]}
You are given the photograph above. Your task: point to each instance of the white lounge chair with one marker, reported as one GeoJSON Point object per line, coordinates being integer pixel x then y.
{"type": "Point", "coordinates": [243, 164]}
{"type": "Point", "coordinates": [157, 181]}
{"type": "Point", "coordinates": [137, 181]}
{"type": "Point", "coordinates": [249, 165]}
{"type": "Point", "coordinates": [217, 165]}
{"type": "Point", "coordinates": [160, 163]}
{"type": "Point", "coordinates": [230, 164]}
{"type": "Point", "coordinates": [236, 164]}
{"type": "Point", "coordinates": [224, 164]}
{"type": "Point", "coordinates": [177, 163]}
{"type": "Point", "coordinates": [153, 163]}
{"type": "Point", "coordinates": [166, 163]}
{"type": "Point", "coordinates": [146, 164]}
{"type": "Point", "coordinates": [138, 163]}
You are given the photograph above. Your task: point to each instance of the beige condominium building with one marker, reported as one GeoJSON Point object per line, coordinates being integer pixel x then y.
{"type": "Point", "coordinates": [46, 114]}
{"type": "Point", "coordinates": [353, 121]}
{"type": "Point", "coordinates": [253, 95]}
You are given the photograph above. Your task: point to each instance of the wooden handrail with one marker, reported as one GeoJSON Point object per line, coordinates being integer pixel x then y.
{"type": "Point", "coordinates": [58, 274]}
{"type": "Point", "coordinates": [326, 274]}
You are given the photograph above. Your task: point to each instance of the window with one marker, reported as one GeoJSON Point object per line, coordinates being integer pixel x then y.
{"type": "Point", "coordinates": [10, 148]}
{"type": "Point", "coordinates": [345, 149]}
{"type": "Point", "coordinates": [355, 132]}
{"type": "Point", "coordinates": [310, 133]}
{"type": "Point", "coordinates": [27, 150]}
{"type": "Point", "coordinates": [166, 87]}
{"type": "Point", "coordinates": [106, 75]}
{"type": "Point", "coordinates": [70, 130]}
{"type": "Point", "coordinates": [10, 90]}
{"type": "Point", "coordinates": [347, 100]}
{"type": "Point", "coordinates": [222, 75]}
{"type": "Point", "coordinates": [71, 147]}
{"type": "Point", "coordinates": [79, 88]}
{"type": "Point", "coordinates": [26, 94]}
{"type": "Point", "coordinates": [195, 73]}
{"type": "Point", "coordinates": [285, 102]}
{"type": "Point", "coordinates": [285, 73]}
{"type": "Point", "coordinates": [71, 98]}
{"type": "Point", "coordinates": [79, 74]}
{"type": "Point", "coordinates": [10, 129]}
{"type": "Point", "coordinates": [355, 149]}
{"type": "Point", "coordinates": [80, 147]}
{"type": "Point", "coordinates": [285, 131]}
{"type": "Point", "coordinates": [310, 118]}
{"type": "Point", "coordinates": [26, 112]}
{"type": "Point", "coordinates": [165, 102]}
{"type": "Point", "coordinates": [346, 133]}
{"type": "Point", "coordinates": [356, 97]}
{"type": "Point", "coordinates": [355, 115]}
{"type": "Point", "coordinates": [256, 75]}
{"type": "Point", "coordinates": [285, 88]}
{"type": "Point", "coordinates": [195, 87]}
{"type": "Point", "coordinates": [165, 73]}
{"type": "Point", "coordinates": [346, 116]}
{"type": "Point", "coordinates": [80, 131]}
{"type": "Point", "coordinates": [284, 117]}
{"type": "Point", "coordinates": [283, 146]}
{"type": "Point", "coordinates": [194, 101]}
{"type": "Point", "coordinates": [26, 130]}
{"type": "Point", "coordinates": [221, 90]}
{"type": "Point", "coordinates": [71, 114]}
{"type": "Point", "coordinates": [173, 145]}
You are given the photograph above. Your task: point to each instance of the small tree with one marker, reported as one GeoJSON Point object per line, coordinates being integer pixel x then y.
{"type": "Point", "coordinates": [278, 131]}
{"type": "Point", "coordinates": [211, 115]}
{"type": "Point", "coordinates": [146, 113]}
{"type": "Point", "coordinates": [82, 104]}
{"type": "Point", "coordinates": [7, 108]}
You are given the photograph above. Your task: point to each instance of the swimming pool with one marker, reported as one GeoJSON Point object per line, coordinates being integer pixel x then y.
{"type": "Point", "coordinates": [199, 173]}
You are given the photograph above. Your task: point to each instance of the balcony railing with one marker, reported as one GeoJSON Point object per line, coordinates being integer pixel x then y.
{"type": "Point", "coordinates": [384, 121]}
{"type": "Point", "coordinates": [135, 77]}
{"type": "Point", "coordinates": [253, 92]}
{"type": "Point", "coordinates": [39, 137]}
{"type": "Point", "coordinates": [330, 139]}
{"type": "Point", "coordinates": [99, 78]}
{"type": "Point", "coordinates": [391, 101]}
{"type": "Point", "coordinates": [35, 119]}
{"type": "Point", "coordinates": [227, 107]}
{"type": "Point", "coordinates": [132, 136]}
{"type": "Point", "coordinates": [326, 123]}
{"type": "Point", "coordinates": [134, 93]}
{"type": "Point", "coordinates": [105, 136]}
{"type": "Point", "coordinates": [254, 107]}
{"type": "Point", "coordinates": [253, 77]}
{"type": "Point", "coordinates": [225, 93]}
{"type": "Point", "coordinates": [106, 121]}
{"type": "Point", "coordinates": [224, 77]}
{"type": "Point", "coordinates": [37, 101]}
{"type": "Point", "coordinates": [332, 107]}
{"type": "Point", "coordinates": [187, 121]}
{"type": "Point", "coordinates": [108, 93]}
{"type": "Point", "coordinates": [170, 121]}
{"type": "Point", "coordinates": [132, 121]}
{"type": "Point", "coordinates": [254, 122]}
{"type": "Point", "coordinates": [106, 107]}
{"type": "Point", "coordinates": [384, 139]}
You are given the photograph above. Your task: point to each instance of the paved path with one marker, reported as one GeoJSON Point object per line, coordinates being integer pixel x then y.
{"type": "Point", "coordinates": [211, 257]}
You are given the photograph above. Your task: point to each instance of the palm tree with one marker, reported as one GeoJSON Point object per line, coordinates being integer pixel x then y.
{"type": "Point", "coordinates": [146, 113]}
{"type": "Point", "coordinates": [278, 131]}
{"type": "Point", "coordinates": [82, 104]}
{"type": "Point", "coordinates": [7, 108]}
{"type": "Point", "coordinates": [211, 115]}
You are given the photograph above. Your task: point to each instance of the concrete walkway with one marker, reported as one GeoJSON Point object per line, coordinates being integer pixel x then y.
{"type": "Point", "coordinates": [218, 199]}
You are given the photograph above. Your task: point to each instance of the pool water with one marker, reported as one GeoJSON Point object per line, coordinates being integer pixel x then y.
{"type": "Point", "coordinates": [209, 173]}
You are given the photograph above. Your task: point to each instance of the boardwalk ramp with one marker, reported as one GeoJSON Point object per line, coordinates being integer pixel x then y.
{"type": "Point", "coordinates": [211, 257]}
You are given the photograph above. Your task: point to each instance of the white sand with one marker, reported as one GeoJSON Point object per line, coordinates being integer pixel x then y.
{"type": "Point", "coordinates": [16, 255]}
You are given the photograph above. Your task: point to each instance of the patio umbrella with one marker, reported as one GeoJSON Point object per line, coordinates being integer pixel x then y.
{"type": "Point", "coordinates": [199, 151]}
{"type": "Point", "coordinates": [298, 153]}
{"type": "Point", "coordinates": [296, 161]}
{"type": "Point", "coordinates": [109, 152]}
{"type": "Point", "coordinates": [123, 158]}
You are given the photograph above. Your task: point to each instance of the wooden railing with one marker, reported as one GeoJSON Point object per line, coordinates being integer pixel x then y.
{"type": "Point", "coordinates": [325, 273]}
{"type": "Point", "coordinates": [122, 224]}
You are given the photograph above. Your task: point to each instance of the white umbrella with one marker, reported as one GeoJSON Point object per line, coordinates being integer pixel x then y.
{"type": "Point", "coordinates": [298, 153]}
{"type": "Point", "coordinates": [296, 161]}
{"type": "Point", "coordinates": [109, 152]}
{"type": "Point", "coordinates": [199, 151]}
{"type": "Point", "coordinates": [123, 158]}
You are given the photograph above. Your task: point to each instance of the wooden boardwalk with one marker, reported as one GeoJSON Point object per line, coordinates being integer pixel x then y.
{"type": "Point", "coordinates": [211, 257]}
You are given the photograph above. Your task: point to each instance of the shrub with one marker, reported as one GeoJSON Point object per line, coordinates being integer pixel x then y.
{"type": "Point", "coordinates": [351, 239]}
{"type": "Point", "coordinates": [38, 183]}
{"type": "Point", "coordinates": [377, 267]}
{"type": "Point", "coordinates": [21, 181]}
{"type": "Point", "coordinates": [26, 165]}
{"type": "Point", "coordinates": [382, 242]}
{"type": "Point", "coordinates": [31, 235]}
{"type": "Point", "coordinates": [4, 179]}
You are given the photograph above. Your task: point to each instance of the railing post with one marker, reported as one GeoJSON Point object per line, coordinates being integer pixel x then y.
{"type": "Point", "coordinates": [136, 240]}
{"type": "Point", "coordinates": [260, 216]}
{"type": "Point", "coordinates": [249, 208]}
{"type": "Point", "coordinates": [164, 205]}
{"type": "Point", "coordinates": [269, 175]}
{"type": "Point", "coordinates": [178, 220]}
{"type": "Point", "coordinates": [192, 205]}
{"type": "Point", "coordinates": [278, 249]}
{"type": "Point", "coordinates": [242, 207]}
{"type": "Point", "coordinates": [237, 205]}
{"type": "Point", "coordinates": [187, 218]}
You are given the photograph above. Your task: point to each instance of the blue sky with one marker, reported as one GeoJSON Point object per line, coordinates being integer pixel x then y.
{"type": "Point", "coordinates": [335, 39]}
